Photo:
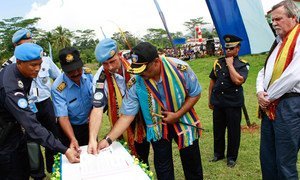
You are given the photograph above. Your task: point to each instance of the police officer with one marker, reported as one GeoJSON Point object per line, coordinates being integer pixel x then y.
{"type": "Point", "coordinates": [72, 98]}
{"type": "Point", "coordinates": [40, 93]}
{"type": "Point", "coordinates": [114, 69]}
{"type": "Point", "coordinates": [168, 112]}
{"type": "Point", "coordinates": [226, 99]}
{"type": "Point", "coordinates": [15, 82]}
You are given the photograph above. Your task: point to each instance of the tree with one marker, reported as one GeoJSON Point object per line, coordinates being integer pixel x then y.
{"type": "Point", "coordinates": [61, 38]}
{"type": "Point", "coordinates": [192, 23]}
{"type": "Point", "coordinates": [85, 41]}
{"type": "Point", "coordinates": [157, 37]}
{"type": "Point", "coordinates": [7, 28]}
{"type": "Point", "coordinates": [130, 38]}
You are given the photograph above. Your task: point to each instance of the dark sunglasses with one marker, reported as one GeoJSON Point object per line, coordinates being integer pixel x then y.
{"type": "Point", "coordinates": [231, 48]}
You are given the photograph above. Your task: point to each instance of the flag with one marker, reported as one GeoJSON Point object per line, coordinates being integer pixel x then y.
{"type": "Point", "coordinates": [165, 24]}
{"type": "Point", "coordinates": [245, 19]}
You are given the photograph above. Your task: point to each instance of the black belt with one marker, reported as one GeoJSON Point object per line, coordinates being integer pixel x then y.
{"type": "Point", "coordinates": [288, 95]}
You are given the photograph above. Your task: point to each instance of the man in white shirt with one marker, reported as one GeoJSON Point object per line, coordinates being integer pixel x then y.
{"type": "Point", "coordinates": [278, 94]}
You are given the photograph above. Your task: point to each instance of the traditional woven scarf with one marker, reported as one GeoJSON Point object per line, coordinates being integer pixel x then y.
{"type": "Point", "coordinates": [283, 59]}
{"type": "Point", "coordinates": [115, 102]}
{"type": "Point", "coordinates": [151, 104]}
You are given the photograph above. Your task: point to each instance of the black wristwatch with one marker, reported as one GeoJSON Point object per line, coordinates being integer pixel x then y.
{"type": "Point", "coordinates": [108, 140]}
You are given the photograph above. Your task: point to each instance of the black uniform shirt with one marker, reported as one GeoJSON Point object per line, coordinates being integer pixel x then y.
{"type": "Point", "coordinates": [225, 93]}
{"type": "Point", "coordinates": [14, 88]}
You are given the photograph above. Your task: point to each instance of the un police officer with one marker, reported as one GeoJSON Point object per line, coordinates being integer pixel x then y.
{"type": "Point", "coordinates": [15, 82]}
{"type": "Point", "coordinates": [226, 99]}
{"type": "Point", "coordinates": [72, 98]}
{"type": "Point", "coordinates": [110, 84]}
{"type": "Point", "coordinates": [39, 94]}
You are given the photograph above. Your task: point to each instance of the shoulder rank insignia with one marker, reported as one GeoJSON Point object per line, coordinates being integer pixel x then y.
{"type": "Point", "coordinates": [216, 63]}
{"type": "Point", "coordinates": [131, 82]}
{"type": "Point", "coordinates": [182, 67]}
{"type": "Point", "coordinates": [244, 61]}
{"type": "Point", "coordinates": [61, 87]}
{"type": "Point", "coordinates": [87, 70]}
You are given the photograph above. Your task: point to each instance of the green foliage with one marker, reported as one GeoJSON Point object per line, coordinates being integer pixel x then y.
{"type": "Point", "coordinates": [7, 28]}
{"type": "Point", "coordinates": [192, 23]}
{"type": "Point", "coordinates": [125, 40]}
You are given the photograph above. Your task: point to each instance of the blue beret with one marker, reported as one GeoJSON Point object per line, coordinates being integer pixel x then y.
{"type": "Point", "coordinates": [105, 49]}
{"type": "Point", "coordinates": [28, 52]}
{"type": "Point", "coordinates": [21, 34]}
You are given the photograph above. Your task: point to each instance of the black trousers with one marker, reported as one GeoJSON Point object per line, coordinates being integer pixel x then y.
{"type": "Point", "coordinates": [142, 150]}
{"type": "Point", "coordinates": [14, 164]}
{"type": "Point", "coordinates": [46, 117]}
{"type": "Point", "coordinates": [163, 160]}
{"type": "Point", "coordinates": [229, 118]}
{"type": "Point", "coordinates": [81, 133]}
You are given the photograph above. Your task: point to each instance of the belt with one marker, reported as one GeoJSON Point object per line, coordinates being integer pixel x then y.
{"type": "Point", "coordinates": [288, 95]}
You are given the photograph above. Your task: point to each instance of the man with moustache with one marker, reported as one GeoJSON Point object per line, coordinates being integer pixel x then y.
{"type": "Point", "coordinates": [72, 98]}
{"type": "Point", "coordinates": [278, 94]}
{"type": "Point", "coordinates": [165, 89]}
{"type": "Point", "coordinates": [15, 114]}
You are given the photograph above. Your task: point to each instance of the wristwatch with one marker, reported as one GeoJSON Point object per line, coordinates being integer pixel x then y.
{"type": "Point", "coordinates": [108, 139]}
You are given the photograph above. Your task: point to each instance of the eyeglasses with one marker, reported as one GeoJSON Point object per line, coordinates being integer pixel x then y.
{"type": "Point", "coordinates": [231, 48]}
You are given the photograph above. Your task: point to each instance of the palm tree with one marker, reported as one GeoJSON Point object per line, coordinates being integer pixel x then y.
{"type": "Point", "coordinates": [61, 38]}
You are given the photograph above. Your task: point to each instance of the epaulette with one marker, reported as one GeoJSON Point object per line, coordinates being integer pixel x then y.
{"type": "Point", "coordinates": [61, 86]}
{"type": "Point", "coordinates": [87, 70]}
{"type": "Point", "coordinates": [216, 63]}
{"type": "Point", "coordinates": [131, 82]}
{"type": "Point", "coordinates": [182, 67]}
{"type": "Point", "coordinates": [244, 61]}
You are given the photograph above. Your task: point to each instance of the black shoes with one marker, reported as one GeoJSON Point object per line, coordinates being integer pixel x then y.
{"type": "Point", "coordinates": [231, 163]}
{"type": "Point", "coordinates": [215, 159]}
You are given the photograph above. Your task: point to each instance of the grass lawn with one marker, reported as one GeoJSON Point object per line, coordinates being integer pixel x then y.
{"type": "Point", "coordinates": [248, 165]}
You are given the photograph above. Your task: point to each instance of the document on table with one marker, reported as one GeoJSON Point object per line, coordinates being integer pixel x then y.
{"type": "Point", "coordinates": [105, 163]}
{"type": "Point", "coordinates": [111, 163]}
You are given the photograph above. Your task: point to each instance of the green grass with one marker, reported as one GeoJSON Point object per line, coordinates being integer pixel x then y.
{"type": "Point", "coordinates": [248, 165]}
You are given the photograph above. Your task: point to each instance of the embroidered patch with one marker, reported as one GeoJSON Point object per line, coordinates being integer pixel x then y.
{"type": "Point", "coordinates": [20, 84]}
{"type": "Point", "coordinates": [98, 96]}
{"type": "Point", "coordinates": [22, 103]}
{"type": "Point", "coordinates": [28, 35]}
{"type": "Point", "coordinates": [99, 85]}
{"type": "Point", "coordinates": [61, 87]}
{"type": "Point", "coordinates": [182, 67]}
{"type": "Point", "coordinates": [112, 53]}
{"type": "Point", "coordinates": [69, 58]}
{"type": "Point", "coordinates": [131, 82]}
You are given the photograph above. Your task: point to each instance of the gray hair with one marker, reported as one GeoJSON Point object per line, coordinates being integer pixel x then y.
{"type": "Point", "coordinates": [290, 7]}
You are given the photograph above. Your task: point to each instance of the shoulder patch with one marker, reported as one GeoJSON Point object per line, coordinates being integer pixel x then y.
{"type": "Point", "coordinates": [87, 70]}
{"type": "Point", "coordinates": [244, 61]}
{"type": "Point", "coordinates": [182, 67]}
{"type": "Point", "coordinates": [61, 86]}
{"type": "Point", "coordinates": [131, 82]}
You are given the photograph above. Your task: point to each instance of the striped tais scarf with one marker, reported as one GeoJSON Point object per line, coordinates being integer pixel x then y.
{"type": "Point", "coordinates": [283, 59]}
{"type": "Point", "coordinates": [114, 103]}
{"type": "Point", "coordinates": [152, 105]}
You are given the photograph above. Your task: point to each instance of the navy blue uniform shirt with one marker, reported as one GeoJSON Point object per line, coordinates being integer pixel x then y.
{"type": "Point", "coordinates": [14, 88]}
{"type": "Point", "coordinates": [225, 93]}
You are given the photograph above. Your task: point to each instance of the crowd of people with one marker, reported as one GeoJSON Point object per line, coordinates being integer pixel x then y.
{"type": "Point", "coordinates": [149, 99]}
{"type": "Point", "coordinates": [187, 52]}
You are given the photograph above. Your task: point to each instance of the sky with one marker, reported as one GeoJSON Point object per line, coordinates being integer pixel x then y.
{"type": "Point", "coordinates": [135, 16]}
